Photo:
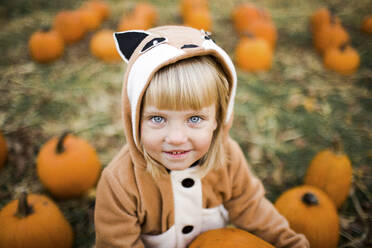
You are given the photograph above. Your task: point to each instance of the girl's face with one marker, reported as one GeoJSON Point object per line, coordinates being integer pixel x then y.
{"type": "Point", "coordinates": [177, 139]}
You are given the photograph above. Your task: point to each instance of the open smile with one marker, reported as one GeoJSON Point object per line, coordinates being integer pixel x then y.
{"type": "Point", "coordinates": [176, 154]}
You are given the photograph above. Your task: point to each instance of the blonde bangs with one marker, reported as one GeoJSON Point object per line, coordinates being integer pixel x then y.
{"type": "Point", "coordinates": [188, 84]}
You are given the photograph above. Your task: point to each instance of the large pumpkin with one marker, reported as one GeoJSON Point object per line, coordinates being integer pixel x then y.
{"type": "Point", "coordinates": [68, 166]}
{"type": "Point", "coordinates": [34, 221]}
{"type": "Point", "coordinates": [253, 54]}
{"type": "Point", "coordinates": [3, 150]}
{"type": "Point", "coordinates": [228, 238]}
{"type": "Point", "coordinates": [310, 211]}
{"type": "Point", "coordinates": [46, 45]}
{"type": "Point", "coordinates": [331, 171]}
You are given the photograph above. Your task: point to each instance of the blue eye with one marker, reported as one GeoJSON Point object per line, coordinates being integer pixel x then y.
{"type": "Point", "coordinates": [195, 119]}
{"type": "Point", "coordinates": [157, 119]}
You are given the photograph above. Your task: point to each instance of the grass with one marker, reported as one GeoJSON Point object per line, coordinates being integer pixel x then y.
{"type": "Point", "coordinates": [283, 117]}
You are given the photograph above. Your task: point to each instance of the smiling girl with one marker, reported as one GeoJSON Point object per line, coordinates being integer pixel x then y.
{"type": "Point", "coordinates": [180, 173]}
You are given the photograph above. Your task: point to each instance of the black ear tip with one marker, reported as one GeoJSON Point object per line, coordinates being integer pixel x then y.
{"type": "Point", "coordinates": [128, 41]}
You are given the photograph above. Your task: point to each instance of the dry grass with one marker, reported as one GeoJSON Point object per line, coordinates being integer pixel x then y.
{"type": "Point", "coordinates": [282, 117]}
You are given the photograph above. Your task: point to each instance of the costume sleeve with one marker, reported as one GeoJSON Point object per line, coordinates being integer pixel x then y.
{"type": "Point", "coordinates": [116, 222]}
{"type": "Point", "coordinates": [250, 210]}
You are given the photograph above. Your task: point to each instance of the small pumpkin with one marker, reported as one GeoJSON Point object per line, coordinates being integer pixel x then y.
{"type": "Point", "coordinates": [199, 19]}
{"type": "Point", "coordinates": [91, 19]}
{"type": "Point", "coordinates": [147, 12]}
{"type": "Point", "coordinates": [70, 26]}
{"type": "Point", "coordinates": [330, 35]}
{"type": "Point", "coordinates": [367, 25]}
{"type": "Point", "coordinates": [264, 29]}
{"type": "Point", "coordinates": [253, 54]}
{"type": "Point", "coordinates": [331, 171]}
{"type": "Point", "coordinates": [46, 45]}
{"type": "Point", "coordinates": [188, 6]}
{"type": "Point", "coordinates": [310, 211]}
{"type": "Point", "coordinates": [101, 7]}
{"type": "Point", "coordinates": [68, 166]}
{"type": "Point", "coordinates": [344, 59]}
{"type": "Point", "coordinates": [3, 150]}
{"type": "Point", "coordinates": [102, 45]}
{"type": "Point", "coordinates": [228, 238]}
{"type": "Point", "coordinates": [244, 14]}
{"type": "Point", "coordinates": [34, 221]}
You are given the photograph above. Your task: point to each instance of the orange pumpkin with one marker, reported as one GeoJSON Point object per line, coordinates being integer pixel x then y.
{"type": "Point", "coordinates": [367, 25]}
{"type": "Point", "coordinates": [3, 151]}
{"type": "Point", "coordinates": [199, 19]}
{"type": "Point", "coordinates": [244, 14]}
{"type": "Point", "coordinates": [34, 221]}
{"type": "Point", "coordinates": [344, 59]}
{"type": "Point", "coordinates": [228, 238]}
{"type": "Point", "coordinates": [330, 35]}
{"type": "Point", "coordinates": [45, 45]}
{"type": "Point", "coordinates": [68, 166]}
{"type": "Point", "coordinates": [253, 54]}
{"type": "Point", "coordinates": [91, 19]}
{"type": "Point", "coordinates": [318, 18]}
{"type": "Point", "coordinates": [147, 12]}
{"type": "Point", "coordinates": [189, 6]}
{"type": "Point", "coordinates": [99, 6]}
{"type": "Point", "coordinates": [310, 211]}
{"type": "Point", "coordinates": [131, 22]}
{"type": "Point", "coordinates": [70, 26]}
{"type": "Point", "coordinates": [264, 29]}
{"type": "Point", "coordinates": [102, 45]}
{"type": "Point", "coordinates": [331, 171]}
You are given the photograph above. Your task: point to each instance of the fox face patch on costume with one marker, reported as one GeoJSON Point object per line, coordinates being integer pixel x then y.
{"type": "Point", "coordinates": [148, 51]}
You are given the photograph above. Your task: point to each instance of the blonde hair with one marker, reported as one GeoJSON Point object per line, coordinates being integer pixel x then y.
{"type": "Point", "coordinates": [192, 83]}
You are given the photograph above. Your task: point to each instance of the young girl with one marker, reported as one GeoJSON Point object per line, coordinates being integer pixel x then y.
{"type": "Point", "coordinates": [180, 173]}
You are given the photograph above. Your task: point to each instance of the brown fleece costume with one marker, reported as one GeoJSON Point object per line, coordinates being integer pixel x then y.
{"type": "Point", "coordinates": [135, 210]}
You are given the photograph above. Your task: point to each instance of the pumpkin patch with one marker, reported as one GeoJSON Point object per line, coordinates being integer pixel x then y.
{"type": "Point", "coordinates": [284, 113]}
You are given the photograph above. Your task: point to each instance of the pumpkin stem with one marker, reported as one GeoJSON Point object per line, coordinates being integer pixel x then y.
{"type": "Point", "coordinates": [337, 146]}
{"type": "Point", "coordinates": [24, 209]}
{"type": "Point", "coordinates": [343, 47]}
{"type": "Point", "coordinates": [310, 199]}
{"type": "Point", "coordinates": [60, 148]}
{"type": "Point", "coordinates": [45, 28]}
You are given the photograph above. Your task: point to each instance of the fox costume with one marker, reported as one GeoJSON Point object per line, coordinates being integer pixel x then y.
{"type": "Point", "coordinates": [134, 209]}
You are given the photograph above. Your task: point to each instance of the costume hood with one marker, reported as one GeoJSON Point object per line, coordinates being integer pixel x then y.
{"type": "Point", "coordinates": [148, 51]}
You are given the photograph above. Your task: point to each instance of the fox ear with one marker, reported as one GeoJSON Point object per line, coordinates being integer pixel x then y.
{"type": "Point", "coordinates": [128, 41]}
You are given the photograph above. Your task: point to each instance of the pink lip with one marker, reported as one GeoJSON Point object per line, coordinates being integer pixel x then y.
{"type": "Point", "coordinates": [180, 154]}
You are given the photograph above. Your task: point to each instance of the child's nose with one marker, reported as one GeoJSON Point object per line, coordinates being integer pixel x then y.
{"type": "Point", "coordinates": [176, 136]}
